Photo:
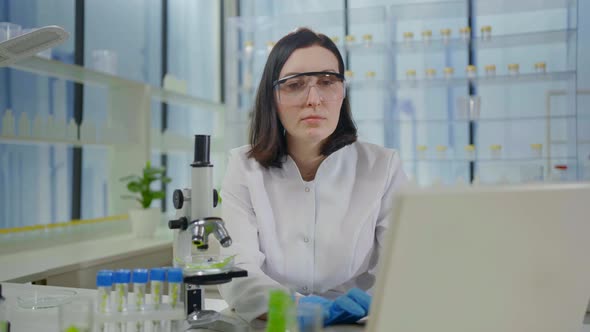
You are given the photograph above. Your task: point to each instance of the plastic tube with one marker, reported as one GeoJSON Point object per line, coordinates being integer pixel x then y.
{"type": "Point", "coordinates": [104, 286]}
{"type": "Point", "coordinates": [140, 279]}
{"type": "Point", "coordinates": [158, 277]}
{"type": "Point", "coordinates": [121, 279]}
{"type": "Point", "coordinates": [175, 293]}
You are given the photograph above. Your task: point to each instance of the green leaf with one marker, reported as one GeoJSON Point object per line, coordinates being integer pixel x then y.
{"type": "Point", "coordinates": [134, 187]}
{"type": "Point", "coordinates": [166, 179]}
{"type": "Point", "coordinates": [158, 194]}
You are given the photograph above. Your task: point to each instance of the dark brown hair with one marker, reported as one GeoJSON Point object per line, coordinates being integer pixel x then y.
{"type": "Point", "coordinates": [267, 138]}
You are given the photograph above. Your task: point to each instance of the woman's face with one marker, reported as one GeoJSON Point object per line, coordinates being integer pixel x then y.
{"type": "Point", "coordinates": [309, 117]}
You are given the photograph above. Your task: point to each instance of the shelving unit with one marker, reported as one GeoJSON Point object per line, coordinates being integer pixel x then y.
{"type": "Point", "coordinates": [391, 109]}
{"type": "Point", "coordinates": [129, 137]}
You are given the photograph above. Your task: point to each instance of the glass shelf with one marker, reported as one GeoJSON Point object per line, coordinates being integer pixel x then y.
{"type": "Point", "coordinates": [44, 141]}
{"type": "Point", "coordinates": [499, 41]}
{"type": "Point", "coordinates": [87, 76]}
{"type": "Point", "coordinates": [480, 120]}
{"type": "Point", "coordinates": [486, 160]}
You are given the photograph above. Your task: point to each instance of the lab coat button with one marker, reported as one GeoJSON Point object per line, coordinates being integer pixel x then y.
{"type": "Point", "coordinates": [306, 189]}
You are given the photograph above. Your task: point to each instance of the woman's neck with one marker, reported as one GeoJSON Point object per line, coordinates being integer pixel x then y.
{"type": "Point", "coordinates": [307, 157]}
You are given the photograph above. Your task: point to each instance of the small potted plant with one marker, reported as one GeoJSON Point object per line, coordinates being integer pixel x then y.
{"type": "Point", "coordinates": [144, 221]}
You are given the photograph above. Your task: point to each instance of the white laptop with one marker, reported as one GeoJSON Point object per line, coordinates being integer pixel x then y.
{"type": "Point", "coordinates": [486, 259]}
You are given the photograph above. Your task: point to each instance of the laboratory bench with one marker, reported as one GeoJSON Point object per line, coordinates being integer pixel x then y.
{"type": "Point", "coordinates": [22, 319]}
{"type": "Point", "coordinates": [75, 264]}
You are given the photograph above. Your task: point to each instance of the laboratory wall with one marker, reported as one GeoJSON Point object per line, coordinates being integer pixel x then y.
{"type": "Point", "coordinates": [124, 38]}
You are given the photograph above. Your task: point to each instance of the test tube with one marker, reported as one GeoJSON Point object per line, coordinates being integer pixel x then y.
{"type": "Point", "coordinates": [537, 150]}
{"type": "Point", "coordinates": [349, 40]}
{"type": "Point", "coordinates": [411, 74]}
{"type": "Point", "coordinates": [470, 152]}
{"type": "Point", "coordinates": [408, 37]}
{"type": "Point", "coordinates": [486, 32]}
{"type": "Point", "coordinates": [158, 277]}
{"type": "Point", "coordinates": [446, 35]}
{"type": "Point", "coordinates": [368, 40]}
{"type": "Point", "coordinates": [248, 47]}
{"type": "Point", "coordinates": [140, 279]}
{"type": "Point", "coordinates": [335, 39]}
{"type": "Point", "coordinates": [370, 75]}
{"type": "Point", "coordinates": [441, 151]}
{"type": "Point", "coordinates": [513, 68]}
{"type": "Point", "coordinates": [427, 36]}
{"type": "Point", "coordinates": [175, 298]}
{"type": "Point", "coordinates": [465, 33]}
{"type": "Point", "coordinates": [471, 71]}
{"type": "Point", "coordinates": [540, 67]}
{"type": "Point", "coordinates": [496, 151]}
{"type": "Point", "coordinates": [490, 70]}
{"type": "Point", "coordinates": [430, 73]}
{"type": "Point", "coordinates": [104, 286]}
{"type": "Point", "coordinates": [121, 279]}
{"type": "Point", "coordinates": [421, 151]}
{"type": "Point", "coordinates": [448, 71]}
{"type": "Point", "coordinates": [349, 75]}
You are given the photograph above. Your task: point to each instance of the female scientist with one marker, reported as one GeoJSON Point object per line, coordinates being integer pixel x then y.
{"type": "Point", "coordinates": [306, 204]}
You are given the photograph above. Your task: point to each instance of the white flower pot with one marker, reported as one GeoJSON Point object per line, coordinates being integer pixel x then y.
{"type": "Point", "coordinates": [144, 221]}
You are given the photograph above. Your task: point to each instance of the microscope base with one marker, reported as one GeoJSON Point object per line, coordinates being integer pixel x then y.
{"type": "Point", "coordinates": [209, 320]}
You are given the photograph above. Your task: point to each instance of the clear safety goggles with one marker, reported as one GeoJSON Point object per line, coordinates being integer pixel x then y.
{"type": "Point", "coordinates": [294, 89]}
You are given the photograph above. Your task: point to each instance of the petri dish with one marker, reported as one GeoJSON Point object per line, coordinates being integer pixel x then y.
{"type": "Point", "coordinates": [42, 299]}
{"type": "Point", "coordinates": [207, 264]}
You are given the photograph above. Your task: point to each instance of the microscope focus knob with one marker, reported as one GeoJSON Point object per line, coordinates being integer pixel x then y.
{"type": "Point", "coordinates": [178, 199]}
{"type": "Point", "coordinates": [181, 223]}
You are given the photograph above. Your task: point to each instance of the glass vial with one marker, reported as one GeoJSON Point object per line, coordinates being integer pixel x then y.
{"type": "Point", "coordinates": [540, 67]}
{"type": "Point", "coordinates": [490, 70]}
{"type": "Point", "coordinates": [408, 37]}
{"type": "Point", "coordinates": [537, 150]}
{"type": "Point", "coordinates": [370, 75]}
{"type": "Point", "coordinates": [349, 40]}
{"type": "Point", "coordinates": [471, 71]}
{"type": "Point", "coordinates": [445, 35]}
{"type": "Point", "coordinates": [486, 32]}
{"type": "Point", "coordinates": [465, 33]}
{"type": "Point", "coordinates": [248, 48]}
{"type": "Point", "coordinates": [430, 73]}
{"type": "Point", "coordinates": [448, 72]}
{"type": "Point", "coordinates": [496, 151]}
{"type": "Point", "coordinates": [411, 74]}
{"type": "Point", "coordinates": [441, 151]}
{"type": "Point", "coordinates": [469, 152]}
{"type": "Point", "coordinates": [349, 75]}
{"type": "Point", "coordinates": [513, 69]}
{"type": "Point", "coordinates": [368, 40]}
{"type": "Point", "coordinates": [427, 36]}
{"type": "Point", "coordinates": [421, 151]}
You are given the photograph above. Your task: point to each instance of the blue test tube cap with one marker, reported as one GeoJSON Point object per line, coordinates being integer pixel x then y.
{"type": "Point", "coordinates": [122, 276]}
{"type": "Point", "coordinates": [140, 276]}
{"type": "Point", "coordinates": [174, 275]}
{"type": "Point", "coordinates": [158, 274]}
{"type": "Point", "coordinates": [104, 278]}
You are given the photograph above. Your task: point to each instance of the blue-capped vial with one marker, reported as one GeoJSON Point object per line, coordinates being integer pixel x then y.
{"type": "Point", "coordinates": [157, 279]}
{"type": "Point", "coordinates": [121, 280]}
{"type": "Point", "coordinates": [139, 279]}
{"type": "Point", "coordinates": [104, 285]}
{"type": "Point", "coordinates": [175, 278]}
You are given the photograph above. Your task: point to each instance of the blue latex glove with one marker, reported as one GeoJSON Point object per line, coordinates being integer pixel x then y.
{"type": "Point", "coordinates": [346, 309]}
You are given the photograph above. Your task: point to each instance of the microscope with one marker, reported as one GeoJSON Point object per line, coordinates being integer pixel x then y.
{"type": "Point", "coordinates": [193, 225]}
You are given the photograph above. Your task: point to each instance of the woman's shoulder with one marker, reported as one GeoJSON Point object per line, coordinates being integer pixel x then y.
{"type": "Point", "coordinates": [373, 151]}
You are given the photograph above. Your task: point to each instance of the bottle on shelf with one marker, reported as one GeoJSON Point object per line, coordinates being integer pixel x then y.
{"type": "Point", "coordinates": [513, 69]}
{"type": "Point", "coordinates": [448, 72]}
{"type": "Point", "coordinates": [537, 150]}
{"type": "Point", "coordinates": [24, 125]}
{"type": "Point", "coordinates": [349, 75]}
{"type": "Point", "coordinates": [471, 71]}
{"type": "Point", "coordinates": [411, 74]}
{"type": "Point", "coordinates": [470, 152]}
{"type": "Point", "coordinates": [427, 36]}
{"type": "Point", "coordinates": [421, 151]}
{"type": "Point", "coordinates": [465, 33]}
{"type": "Point", "coordinates": [441, 151]}
{"type": "Point", "coordinates": [430, 73]}
{"type": "Point", "coordinates": [486, 32]}
{"type": "Point", "coordinates": [408, 37]}
{"type": "Point", "coordinates": [335, 39]}
{"type": "Point", "coordinates": [8, 123]}
{"type": "Point", "coordinates": [490, 70]}
{"type": "Point", "coordinates": [248, 48]}
{"type": "Point", "coordinates": [560, 173]}
{"type": "Point", "coordinates": [370, 75]}
{"type": "Point", "coordinates": [496, 151]}
{"type": "Point", "coordinates": [368, 40]}
{"type": "Point", "coordinates": [445, 35]}
{"type": "Point", "coordinates": [349, 40]}
{"type": "Point", "coordinates": [541, 67]}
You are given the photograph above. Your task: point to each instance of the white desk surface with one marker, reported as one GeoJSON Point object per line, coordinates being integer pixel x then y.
{"type": "Point", "coordinates": [24, 320]}
{"type": "Point", "coordinates": [38, 263]}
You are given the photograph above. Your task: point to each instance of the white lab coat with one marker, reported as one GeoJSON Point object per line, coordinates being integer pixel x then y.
{"type": "Point", "coordinates": [321, 237]}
